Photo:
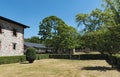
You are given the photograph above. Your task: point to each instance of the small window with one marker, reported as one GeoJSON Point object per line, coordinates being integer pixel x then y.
{"type": "Point", "coordinates": [0, 29]}
{"type": "Point", "coordinates": [14, 32]}
{"type": "Point", "coordinates": [14, 46]}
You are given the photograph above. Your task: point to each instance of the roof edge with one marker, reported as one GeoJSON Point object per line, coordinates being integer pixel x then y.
{"type": "Point", "coordinates": [9, 20]}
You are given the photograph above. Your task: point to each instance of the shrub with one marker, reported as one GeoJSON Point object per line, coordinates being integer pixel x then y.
{"type": "Point", "coordinates": [11, 59]}
{"type": "Point", "coordinates": [30, 55]}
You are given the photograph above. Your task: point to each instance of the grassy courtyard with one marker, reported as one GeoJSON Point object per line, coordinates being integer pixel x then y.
{"type": "Point", "coordinates": [59, 68]}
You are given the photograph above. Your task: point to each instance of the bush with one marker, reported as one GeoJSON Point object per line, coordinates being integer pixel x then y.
{"type": "Point", "coordinates": [12, 59]}
{"type": "Point", "coordinates": [30, 55]}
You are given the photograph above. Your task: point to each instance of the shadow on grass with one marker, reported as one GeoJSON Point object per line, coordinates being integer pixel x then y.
{"type": "Point", "coordinates": [98, 68]}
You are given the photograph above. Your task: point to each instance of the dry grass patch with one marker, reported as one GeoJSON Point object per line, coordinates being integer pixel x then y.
{"type": "Point", "coordinates": [59, 68]}
{"type": "Point", "coordinates": [95, 52]}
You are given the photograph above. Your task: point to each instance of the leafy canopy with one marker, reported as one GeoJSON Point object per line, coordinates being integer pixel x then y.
{"type": "Point", "coordinates": [57, 34]}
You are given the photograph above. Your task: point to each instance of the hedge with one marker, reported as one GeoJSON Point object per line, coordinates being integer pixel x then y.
{"type": "Point", "coordinates": [93, 56]}
{"type": "Point", "coordinates": [42, 56]}
{"type": "Point", "coordinates": [15, 59]}
{"type": "Point", "coordinates": [11, 59]}
{"type": "Point", "coordinates": [79, 57]}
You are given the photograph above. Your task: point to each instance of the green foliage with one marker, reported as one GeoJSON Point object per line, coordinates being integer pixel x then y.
{"type": "Point", "coordinates": [47, 27]}
{"type": "Point", "coordinates": [114, 60]}
{"type": "Point", "coordinates": [92, 21]}
{"type": "Point", "coordinates": [104, 40]}
{"type": "Point", "coordinates": [113, 7]}
{"type": "Point", "coordinates": [114, 40]}
{"type": "Point", "coordinates": [42, 56]}
{"type": "Point", "coordinates": [57, 34]}
{"type": "Point", "coordinates": [11, 59]}
{"type": "Point", "coordinates": [102, 27]}
{"type": "Point", "coordinates": [102, 30]}
{"type": "Point", "coordinates": [100, 19]}
{"type": "Point", "coordinates": [30, 55]}
{"type": "Point", "coordinates": [66, 37]}
{"type": "Point", "coordinates": [95, 40]}
{"type": "Point", "coordinates": [60, 56]}
{"type": "Point", "coordinates": [33, 39]}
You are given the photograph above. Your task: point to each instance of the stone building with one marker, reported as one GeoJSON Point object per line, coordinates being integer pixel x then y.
{"type": "Point", "coordinates": [11, 37]}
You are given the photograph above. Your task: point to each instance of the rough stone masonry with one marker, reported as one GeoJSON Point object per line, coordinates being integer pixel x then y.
{"type": "Point", "coordinates": [11, 37]}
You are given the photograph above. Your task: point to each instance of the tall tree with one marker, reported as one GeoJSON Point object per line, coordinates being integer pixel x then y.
{"type": "Point", "coordinates": [47, 27]}
{"type": "Point", "coordinates": [113, 6]}
{"type": "Point", "coordinates": [91, 22]}
{"type": "Point", "coordinates": [96, 20]}
{"type": "Point", "coordinates": [57, 34]}
{"type": "Point", "coordinates": [100, 19]}
{"type": "Point", "coordinates": [66, 37]}
{"type": "Point", "coordinates": [102, 27]}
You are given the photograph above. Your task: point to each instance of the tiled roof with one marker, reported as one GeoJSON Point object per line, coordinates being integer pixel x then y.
{"type": "Point", "coordinates": [28, 44]}
{"type": "Point", "coordinates": [9, 20]}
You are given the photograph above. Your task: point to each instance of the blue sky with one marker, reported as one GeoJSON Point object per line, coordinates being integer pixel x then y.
{"type": "Point", "coordinates": [31, 12]}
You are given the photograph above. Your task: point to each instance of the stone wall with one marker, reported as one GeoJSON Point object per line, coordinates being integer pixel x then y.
{"type": "Point", "coordinates": [7, 39]}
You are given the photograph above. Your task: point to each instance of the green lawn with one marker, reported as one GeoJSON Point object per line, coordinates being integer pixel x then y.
{"type": "Point", "coordinates": [59, 68]}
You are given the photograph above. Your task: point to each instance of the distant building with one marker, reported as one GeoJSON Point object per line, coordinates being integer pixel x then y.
{"type": "Point", "coordinates": [11, 37]}
{"type": "Point", "coordinates": [40, 48]}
